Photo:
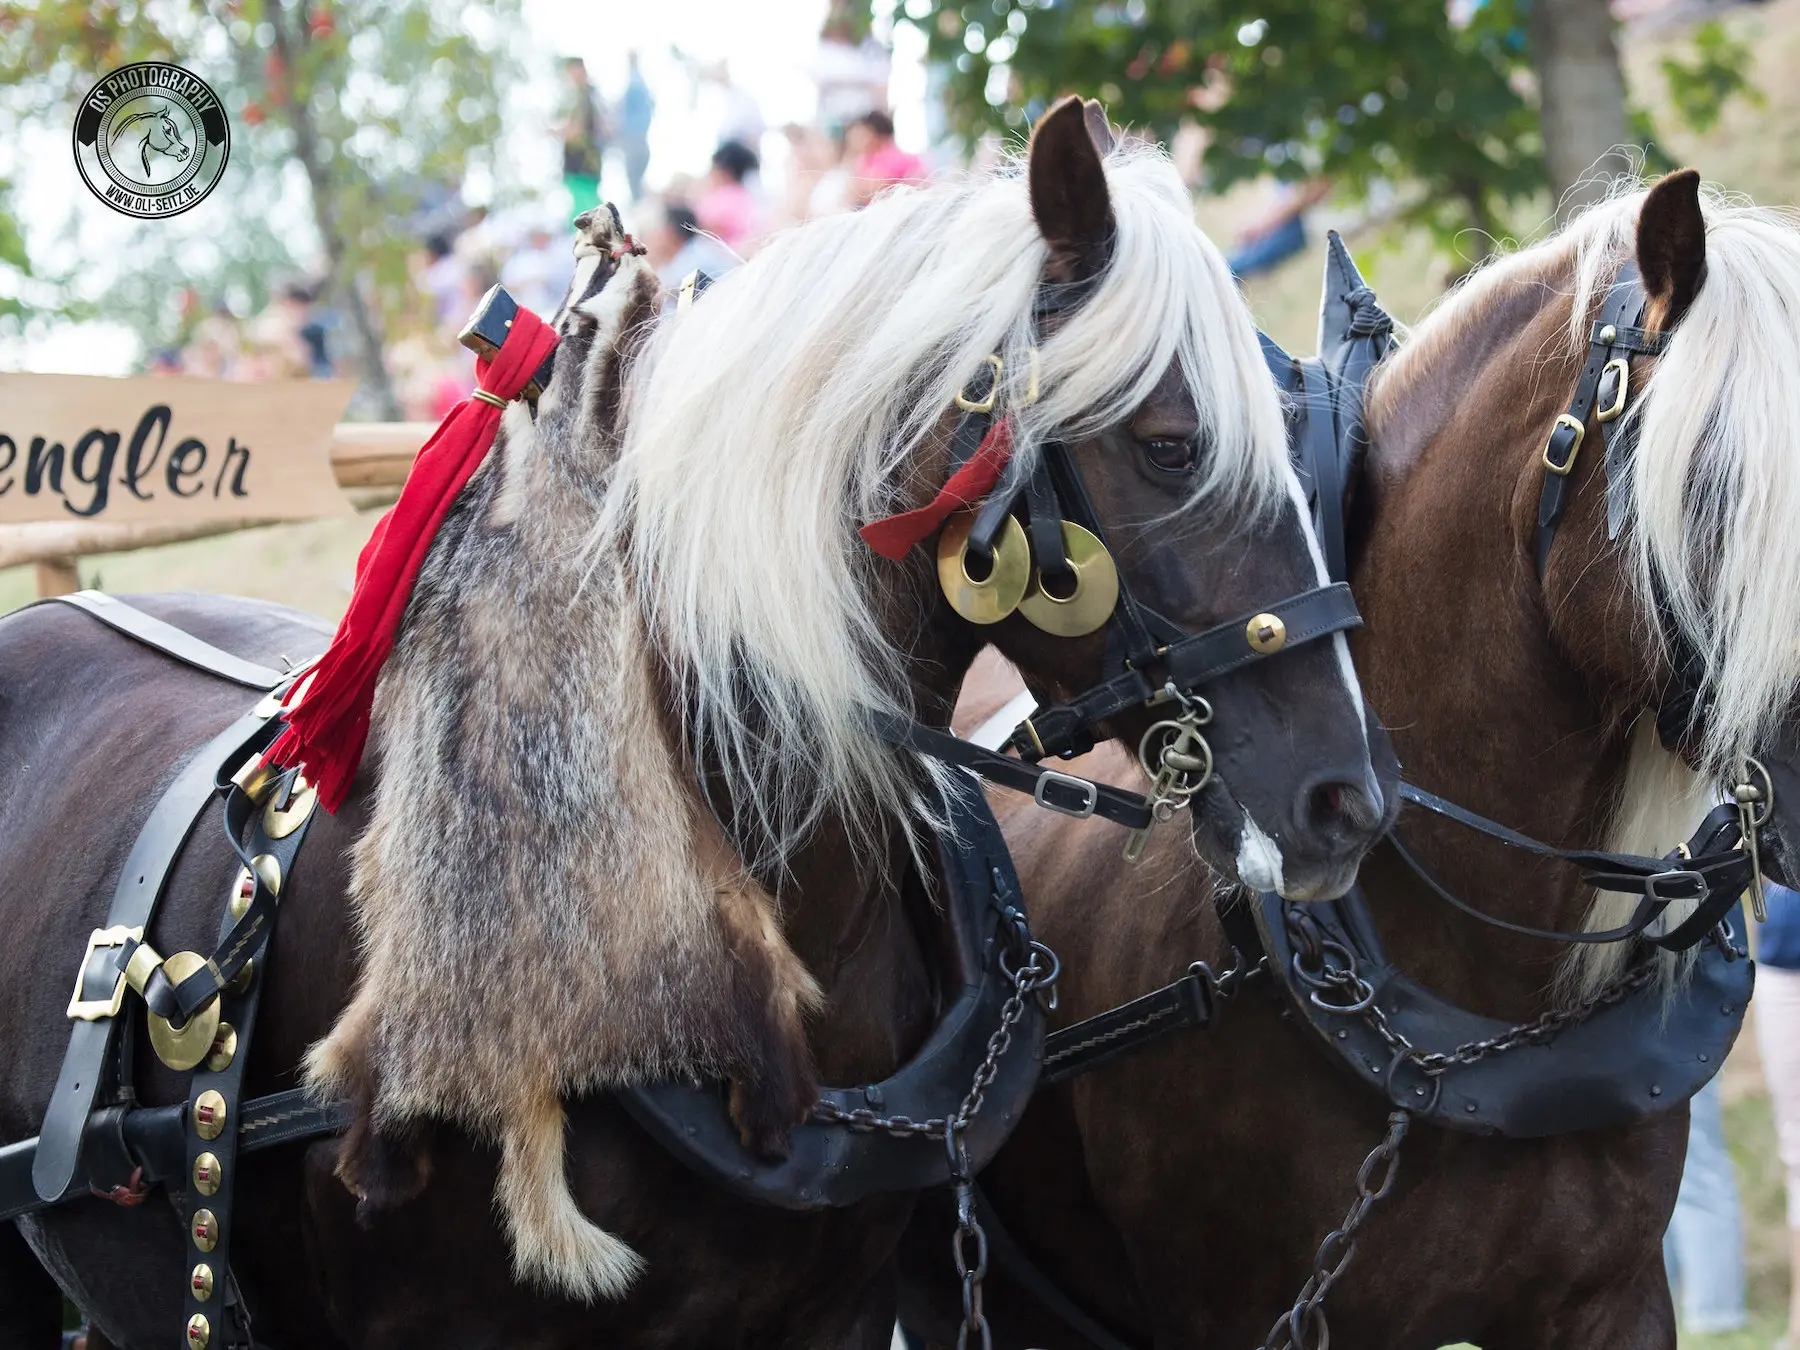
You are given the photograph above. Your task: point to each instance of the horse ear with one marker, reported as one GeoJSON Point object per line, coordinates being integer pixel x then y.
{"type": "Point", "coordinates": [1671, 245]}
{"type": "Point", "coordinates": [1068, 193]}
{"type": "Point", "coordinates": [1099, 130]}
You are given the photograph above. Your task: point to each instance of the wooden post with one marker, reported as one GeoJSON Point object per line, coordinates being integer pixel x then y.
{"type": "Point", "coordinates": [56, 576]}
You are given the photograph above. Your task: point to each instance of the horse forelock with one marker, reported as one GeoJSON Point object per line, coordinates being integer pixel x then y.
{"type": "Point", "coordinates": [805, 395]}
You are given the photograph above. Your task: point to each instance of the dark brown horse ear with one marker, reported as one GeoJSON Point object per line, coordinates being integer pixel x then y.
{"type": "Point", "coordinates": [1099, 130]}
{"type": "Point", "coordinates": [1068, 193]}
{"type": "Point", "coordinates": [1671, 245]}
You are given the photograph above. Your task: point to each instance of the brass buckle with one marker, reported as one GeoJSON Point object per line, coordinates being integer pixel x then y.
{"type": "Point", "coordinates": [97, 1009]}
{"type": "Point", "coordinates": [968, 404]}
{"type": "Point", "coordinates": [1567, 467]}
{"type": "Point", "coordinates": [1617, 406]}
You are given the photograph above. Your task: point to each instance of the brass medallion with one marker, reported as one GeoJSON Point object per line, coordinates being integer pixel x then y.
{"type": "Point", "coordinates": [1095, 595]}
{"type": "Point", "coordinates": [199, 1332]}
{"type": "Point", "coordinates": [209, 1174]}
{"type": "Point", "coordinates": [224, 1048]}
{"type": "Point", "coordinates": [202, 1282]}
{"type": "Point", "coordinates": [182, 1050]}
{"type": "Point", "coordinates": [998, 593]}
{"type": "Point", "coordinates": [209, 1114]}
{"type": "Point", "coordinates": [280, 824]}
{"type": "Point", "coordinates": [205, 1230]}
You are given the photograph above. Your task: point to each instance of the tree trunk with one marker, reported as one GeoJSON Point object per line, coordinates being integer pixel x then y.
{"type": "Point", "coordinates": [1583, 97]}
{"type": "Point", "coordinates": [309, 151]}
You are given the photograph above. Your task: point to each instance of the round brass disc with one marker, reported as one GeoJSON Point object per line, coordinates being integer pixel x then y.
{"type": "Point", "coordinates": [280, 824]}
{"type": "Point", "coordinates": [1096, 588]}
{"type": "Point", "coordinates": [182, 1050]}
{"type": "Point", "coordinates": [1266, 633]}
{"type": "Point", "coordinates": [996, 595]}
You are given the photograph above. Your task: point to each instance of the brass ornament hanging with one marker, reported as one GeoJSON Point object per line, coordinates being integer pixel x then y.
{"type": "Point", "coordinates": [1096, 593]}
{"type": "Point", "coordinates": [995, 595]}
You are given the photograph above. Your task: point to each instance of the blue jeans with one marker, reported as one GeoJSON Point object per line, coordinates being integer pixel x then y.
{"type": "Point", "coordinates": [1704, 1247]}
{"type": "Point", "coordinates": [1269, 252]}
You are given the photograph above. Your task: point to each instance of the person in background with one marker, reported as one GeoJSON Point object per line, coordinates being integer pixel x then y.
{"type": "Point", "coordinates": [583, 138]}
{"type": "Point", "coordinates": [726, 206]}
{"type": "Point", "coordinates": [442, 279]}
{"type": "Point", "coordinates": [876, 162]}
{"type": "Point", "coordinates": [1703, 1250]}
{"type": "Point", "coordinates": [538, 275]}
{"type": "Point", "coordinates": [1777, 1019]}
{"type": "Point", "coordinates": [636, 109]}
{"type": "Point", "coordinates": [675, 246]}
{"type": "Point", "coordinates": [1279, 233]}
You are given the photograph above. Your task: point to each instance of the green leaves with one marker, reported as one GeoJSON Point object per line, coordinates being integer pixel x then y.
{"type": "Point", "coordinates": [1718, 70]}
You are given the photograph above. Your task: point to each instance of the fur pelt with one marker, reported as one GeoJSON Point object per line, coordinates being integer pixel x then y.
{"type": "Point", "coordinates": [546, 903]}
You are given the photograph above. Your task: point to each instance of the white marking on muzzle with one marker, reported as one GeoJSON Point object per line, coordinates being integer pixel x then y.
{"type": "Point", "coordinates": [1258, 858]}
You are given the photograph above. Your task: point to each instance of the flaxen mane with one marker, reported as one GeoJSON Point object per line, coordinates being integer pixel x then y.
{"type": "Point", "coordinates": [546, 902]}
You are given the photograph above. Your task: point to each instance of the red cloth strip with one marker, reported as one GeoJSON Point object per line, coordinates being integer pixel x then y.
{"type": "Point", "coordinates": [892, 536]}
{"type": "Point", "coordinates": [328, 721]}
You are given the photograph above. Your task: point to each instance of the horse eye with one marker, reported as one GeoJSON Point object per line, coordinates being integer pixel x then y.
{"type": "Point", "coordinates": [1170, 456]}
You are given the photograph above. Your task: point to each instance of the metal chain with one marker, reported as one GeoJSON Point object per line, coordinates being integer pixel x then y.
{"type": "Point", "coordinates": [1036, 973]}
{"type": "Point", "coordinates": [1329, 968]}
{"type": "Point", "coordinates": [1303, 1326]}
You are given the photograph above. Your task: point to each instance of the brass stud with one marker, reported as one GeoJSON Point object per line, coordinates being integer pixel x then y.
{"type": "Point", "coordinates": [1266, 633]}
{"type": "Point", "coordinates": [199, 1332]}
{"type": "Point", "coordinates": [201, 1281]}
{"type": "Point", "coordinates": [209, 1174]}
{"type": "Point", "coordinates": [242, 894]}
{"type": "Point", "coordinates": [205, 1230]}
{"type": "Point", "coordinates": [209, 1114]}
{"type": "Point", "coordinates": [268, 867]}
{"type": "Point", "coordinates": [224, 1048]}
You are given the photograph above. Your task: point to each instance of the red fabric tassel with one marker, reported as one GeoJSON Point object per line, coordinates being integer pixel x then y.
{"type": "Point", "coordinates": [328, 725]}
{"type": "Point", "coordinates": [892, 536]}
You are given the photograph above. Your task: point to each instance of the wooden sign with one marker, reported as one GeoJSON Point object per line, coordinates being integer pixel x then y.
{"type": "Point", "coordinates": [167, 450]}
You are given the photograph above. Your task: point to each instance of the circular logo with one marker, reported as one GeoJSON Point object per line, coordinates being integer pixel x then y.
{"type": "Point", "coordinates": [151, 140]}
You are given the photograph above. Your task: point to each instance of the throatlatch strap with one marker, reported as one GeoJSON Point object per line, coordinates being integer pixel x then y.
{"type": "Point", "coordinates": [172, 641]}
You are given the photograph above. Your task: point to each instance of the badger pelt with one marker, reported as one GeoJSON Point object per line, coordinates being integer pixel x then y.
{"type": "Point", "coordinates": [546, 903]}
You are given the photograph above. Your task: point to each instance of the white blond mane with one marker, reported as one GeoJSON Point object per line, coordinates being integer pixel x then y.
{"type": "Point", "coordinates": [1714, 500]}
{"type": "Point", "coordinates": [785, 409]}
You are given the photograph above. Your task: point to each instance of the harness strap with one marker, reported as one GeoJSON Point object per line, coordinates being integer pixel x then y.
{"type": "Point", "coordinates": [172, 641]}
{"type": "Point", "coordinates": [1061, 792]}
{"type": "Point", "coordinates": [1067, 729]}
{"type": "Point", "coordinates": [1186, 1002]}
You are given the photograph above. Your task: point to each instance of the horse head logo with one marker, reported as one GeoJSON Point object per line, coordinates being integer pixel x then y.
{"type": "Point", "coordinates": [161, 136]}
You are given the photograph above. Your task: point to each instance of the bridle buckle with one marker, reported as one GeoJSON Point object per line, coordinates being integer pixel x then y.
{"type": "Point", "coordinates": [984, 405]}
{"type": "Point", "coordinates": [1656, 881]}
{"type": "Point", "coordinates": [1564, 422]}
{"type": "Point", "coordinates": [1089, 794]}
{"type": "Point", "coordinates": [1621, 391]}
{"type": "Point", "coordinates": [84, 1009]}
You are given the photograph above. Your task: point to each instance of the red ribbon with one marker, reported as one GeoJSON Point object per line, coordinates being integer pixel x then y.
{"type": "Point", "coordinates": [892, 536]}
{"type": "Point", "coordinates": [328, 725]}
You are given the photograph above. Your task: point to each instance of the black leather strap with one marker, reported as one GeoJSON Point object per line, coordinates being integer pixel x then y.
{"type": "Point", "coordinates": [139, 887]}
{"type": "Point", "coordinates": [1319, 436]}
{"type": "Point", "coordinates": [1061, 792]}
{"type": "Point", "coordinates": [1612, 333]}
{"type": "Point", "coordinates": [172, 641]}
{"type": "Point", "coordinates": [1186, 1002]}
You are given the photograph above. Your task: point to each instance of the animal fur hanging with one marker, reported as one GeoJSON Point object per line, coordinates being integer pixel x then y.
{"type": "Point", "coordinates": [546, 904]}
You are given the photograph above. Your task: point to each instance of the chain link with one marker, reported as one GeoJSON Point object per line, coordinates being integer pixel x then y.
{"type": "Point", "coordinates": [1303, 1327]}
{"type": "Point", "coordinates": [1035, 974]}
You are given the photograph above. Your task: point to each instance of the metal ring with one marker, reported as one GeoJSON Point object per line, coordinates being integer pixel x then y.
{"type": "Point", "coordinates": [1754, 765]}
{"type": "Point", "coordinates": [970, 405]}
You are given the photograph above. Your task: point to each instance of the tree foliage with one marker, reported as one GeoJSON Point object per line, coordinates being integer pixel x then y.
{"type": "Point", "coordinates": [359, 113]}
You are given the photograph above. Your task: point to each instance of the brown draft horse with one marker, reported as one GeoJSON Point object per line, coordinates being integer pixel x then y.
{"type": "Point", "coordinates": [91, 725]}
{"type": "Point", "coordinates": [1179, 1194]}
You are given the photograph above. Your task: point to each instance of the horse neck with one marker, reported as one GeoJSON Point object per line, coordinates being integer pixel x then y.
{"type": "Point", "coordinates": [1457, 658]}
{"type": "Point", "coordinates": [867, 927]}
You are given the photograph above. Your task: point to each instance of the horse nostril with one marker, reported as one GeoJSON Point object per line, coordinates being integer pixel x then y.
{"type": "Point", "coordinates": [1337, 810]}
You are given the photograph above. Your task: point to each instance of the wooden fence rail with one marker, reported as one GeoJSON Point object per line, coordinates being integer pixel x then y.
{"type": "Point", "coordinates": [364, 455]}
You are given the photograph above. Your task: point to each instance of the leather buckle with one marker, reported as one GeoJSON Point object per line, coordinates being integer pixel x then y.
{"type": "Point", "coordinates": [1656, 880]}
{"type": "Point", "coordinates": [1090, 794]}
{"type": "Point", "coordinates": [1617, 404]}
{"type": "Point", "coordinates": [1567, 466]}
{"type": "Point", "coordinates": [97, 1009]}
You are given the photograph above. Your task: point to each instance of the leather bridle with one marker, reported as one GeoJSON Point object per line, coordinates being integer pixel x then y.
{"type": "Point", "coordinates": [1152, 662]}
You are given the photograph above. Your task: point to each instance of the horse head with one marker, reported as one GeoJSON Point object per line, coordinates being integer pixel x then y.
{"type": "Point", "coordinates": [161, 136]}
{"type": "Point", "coordinates": [1142, 494]}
